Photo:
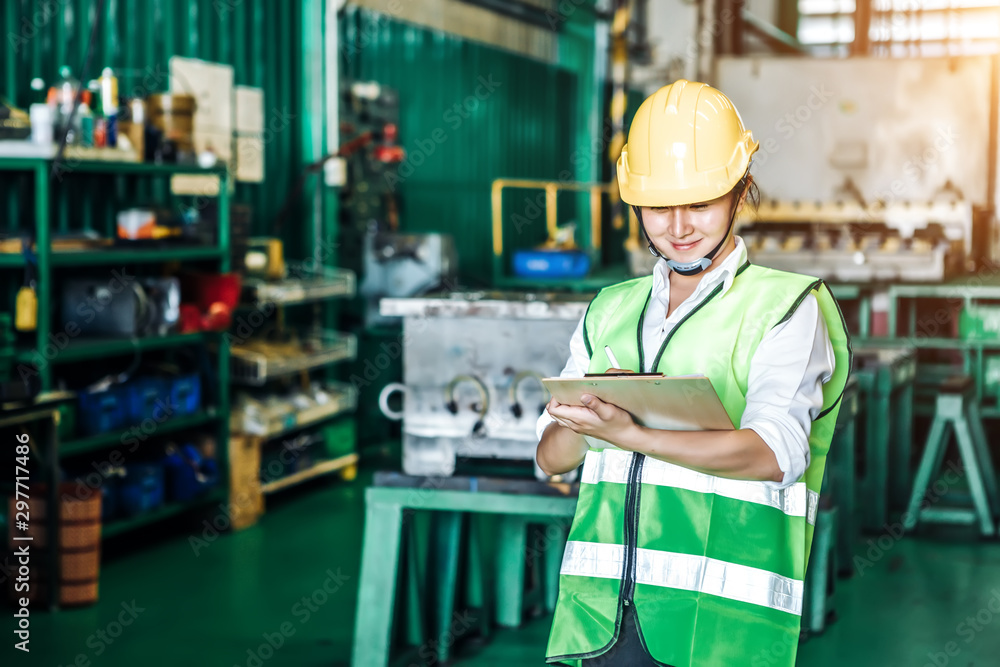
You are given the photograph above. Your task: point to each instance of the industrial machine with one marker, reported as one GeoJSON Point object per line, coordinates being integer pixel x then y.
{"type": "Point", "coordinates": [866, 178]}
{"type": "Point", "coordinates": [847, 242]}
{"type": "Point", "coordinates": [123, 306]}
{"type": "Point", "coordinates": [472, 365]}
{"type": "Point", "coordinates": [401, 265]}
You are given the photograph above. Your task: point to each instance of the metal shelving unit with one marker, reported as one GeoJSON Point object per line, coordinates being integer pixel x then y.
{"type": "Point", "coordinates": [173, 509]}
{"type": "Point", "coordinates": [332, 284]}
{"type": "Point", "coordinates": [81, 349]}
{"type": "Point", "coordinates": [104, 440]}
{"type": "Point", "coordinates": [318, 470]}
{"type": "Point", "coordinates": [256, 368]}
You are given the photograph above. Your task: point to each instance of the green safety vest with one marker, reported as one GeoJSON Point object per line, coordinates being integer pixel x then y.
{"type": "Point", "coordinates": [714, 567]}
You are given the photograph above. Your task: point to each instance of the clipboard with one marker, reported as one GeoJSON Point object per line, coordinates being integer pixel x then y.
{"type": "Point", "coordinates": [670, 403]}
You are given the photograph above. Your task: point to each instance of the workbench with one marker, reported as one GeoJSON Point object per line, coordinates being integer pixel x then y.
{"type": "Point", "coordinates": [518, 502]}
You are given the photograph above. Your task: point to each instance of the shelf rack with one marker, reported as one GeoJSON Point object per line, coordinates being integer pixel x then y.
{"type": "Point", "coordinates": [46, 353]}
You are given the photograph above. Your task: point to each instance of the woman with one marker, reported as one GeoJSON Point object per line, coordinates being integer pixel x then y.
{"type": "Point", "coordinates": [690, 548]}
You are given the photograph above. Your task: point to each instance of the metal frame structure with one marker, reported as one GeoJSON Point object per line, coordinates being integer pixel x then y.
{"type": "Point", "coordinates": [84, 349]}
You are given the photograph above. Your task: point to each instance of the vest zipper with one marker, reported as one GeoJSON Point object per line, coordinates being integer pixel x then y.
{"type": "Point", "coordinates": [632, 526]}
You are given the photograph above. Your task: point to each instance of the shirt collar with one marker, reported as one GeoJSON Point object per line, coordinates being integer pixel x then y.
{"type": "Point", "coordinates": [725, 273]}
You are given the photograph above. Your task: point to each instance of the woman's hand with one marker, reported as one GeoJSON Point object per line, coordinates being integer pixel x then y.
{"type": "Point", "coordinates": [595, 418]}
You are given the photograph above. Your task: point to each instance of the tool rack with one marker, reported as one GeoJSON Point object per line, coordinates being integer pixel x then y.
{"type": "Point", "coordinates": [107, 178]}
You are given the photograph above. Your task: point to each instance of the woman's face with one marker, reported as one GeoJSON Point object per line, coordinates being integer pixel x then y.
{"type": "Point", "coordinates": [689, 232]}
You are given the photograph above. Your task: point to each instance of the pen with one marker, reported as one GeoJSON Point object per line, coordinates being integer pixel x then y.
{"type": "Point", "coordinates": [611, 356]}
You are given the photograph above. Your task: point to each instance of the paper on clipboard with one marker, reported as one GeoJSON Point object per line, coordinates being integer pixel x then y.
{"type": "Point", "coordinates": [675, 404]}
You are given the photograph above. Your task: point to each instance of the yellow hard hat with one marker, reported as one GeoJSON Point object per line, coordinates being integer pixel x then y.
{"type": "Point", "coordinates": [687, 144]}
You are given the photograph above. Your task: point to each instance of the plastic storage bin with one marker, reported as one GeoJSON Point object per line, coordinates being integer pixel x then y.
{"type": "Point", "coordinates": [141, 490]}
{"type": "Point", "coordinates": [185, 394]}
{"type": "Point", "coordinates": [147, 399]}
{"type": "Point", "coordinates": [551, 264]}
{"type": "Point", "coordinates": [188, 474]}
{"type": "Point", "coordinates": [102, 411]}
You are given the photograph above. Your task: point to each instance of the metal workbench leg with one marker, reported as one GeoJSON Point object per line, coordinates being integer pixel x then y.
{"type": "Point", "coordinates": [877, 463]}
{"type": "Point", "coordinates": [447, 543]}
{"type": "Point", "coordinates": [416, 545]}
{"type": "Point", "coordinates": [555, 545]}
{"type": "Point", "coordinates": [513, 535]}
{"type": "Point", "coordinates": [843, 496]}
{"type": "Point", "coordinates": [985, 461]}
{"type": "Point", "coordinates": [377, 589]}
{"type": "Point", "coordinates": [975, 476]}
{"type": "Point", "coordinates": [902, 448]}
{"type": "Point", "coordinates": [933, 452]}
{"type": "Point", "coordinates": [477, 595]}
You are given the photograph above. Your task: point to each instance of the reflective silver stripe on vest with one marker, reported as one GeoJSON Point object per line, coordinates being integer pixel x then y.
{"type": "Point", "coordinates": [686, 572]}
{"type": "Point", "coordinates": [611, 465]}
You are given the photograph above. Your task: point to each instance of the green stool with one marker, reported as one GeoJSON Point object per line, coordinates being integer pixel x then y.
{"type": "Point", "coordinates": [956, 407]}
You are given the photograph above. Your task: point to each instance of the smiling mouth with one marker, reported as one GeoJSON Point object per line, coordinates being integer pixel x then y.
{"type": "Point", "coordinates": [685, 246]}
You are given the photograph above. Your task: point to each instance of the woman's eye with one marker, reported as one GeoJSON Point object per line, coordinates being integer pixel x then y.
{"type": "Point", "coordinates": [699, 207]}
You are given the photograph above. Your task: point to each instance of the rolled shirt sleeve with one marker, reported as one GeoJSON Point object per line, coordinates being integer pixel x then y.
{"type": "Point", "coordinates": [785, 387]}
{"type": "Point", "coordinates": [576, 366]}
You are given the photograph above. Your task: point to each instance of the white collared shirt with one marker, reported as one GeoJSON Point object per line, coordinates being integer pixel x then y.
{"type": "Point", "coordinates": [787, 372]}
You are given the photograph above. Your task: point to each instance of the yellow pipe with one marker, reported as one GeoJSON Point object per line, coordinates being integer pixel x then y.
{"type": "Point", "coordinates": [551, 189]}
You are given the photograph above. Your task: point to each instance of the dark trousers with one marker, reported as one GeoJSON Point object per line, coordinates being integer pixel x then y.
{"type": "Point", "coordinates": [628, 651]}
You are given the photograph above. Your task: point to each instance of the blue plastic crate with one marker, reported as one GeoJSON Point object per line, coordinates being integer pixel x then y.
{"type": "Point", "coordinates": [141, 490]}
{"type": "Point", "coordinates": [147, 399]}
{"type": "Point", "coordinates": [551, 264]}
{"type": "Point", "coordinates": [188, 474]}
{"type": "Point", "coordinates": [102, 411]}
{"type": "Point", "coordinates": [185, 394]}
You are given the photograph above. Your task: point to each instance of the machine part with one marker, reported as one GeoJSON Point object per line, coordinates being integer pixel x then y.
{"type": "Point", "coordinates": [383, 400]}
{"type": "Point", "coordinates": [489, 335]}
{"type": "Point", "coordinates": [515, 405]}
{"type": "Point", "coordinates": [265, 258]}
{"type": "Point", "coordinates": [591, 241]}
{"type": "Point", "coordinates": [848, 242]}
{"type": "Point", "coordinates": [402, 265]}
{"type": "Point", "coordinates": [142, 307]}
{"type": "Point", "coordinates": [479, 428]}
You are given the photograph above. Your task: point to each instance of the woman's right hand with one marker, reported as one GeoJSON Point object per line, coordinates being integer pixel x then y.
{"type": "Point", "coordinates": [619, 370]}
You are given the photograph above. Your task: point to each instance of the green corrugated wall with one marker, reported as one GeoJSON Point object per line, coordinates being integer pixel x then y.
{"type": "Point", "coordinates": [524, 128]}
{"type": "Point", "coordinates": [259, 38]}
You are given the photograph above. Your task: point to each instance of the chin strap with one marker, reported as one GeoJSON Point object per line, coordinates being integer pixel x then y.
{"type": "Point", "coordinates": [699, 265]}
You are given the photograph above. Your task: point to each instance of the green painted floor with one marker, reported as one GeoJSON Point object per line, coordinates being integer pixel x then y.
{"type": "Point", "coordinates": [165, 604]}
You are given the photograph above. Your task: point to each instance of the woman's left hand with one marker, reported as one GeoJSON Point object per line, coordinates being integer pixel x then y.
{"type": "Point", "coordinates": [595, 418]}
